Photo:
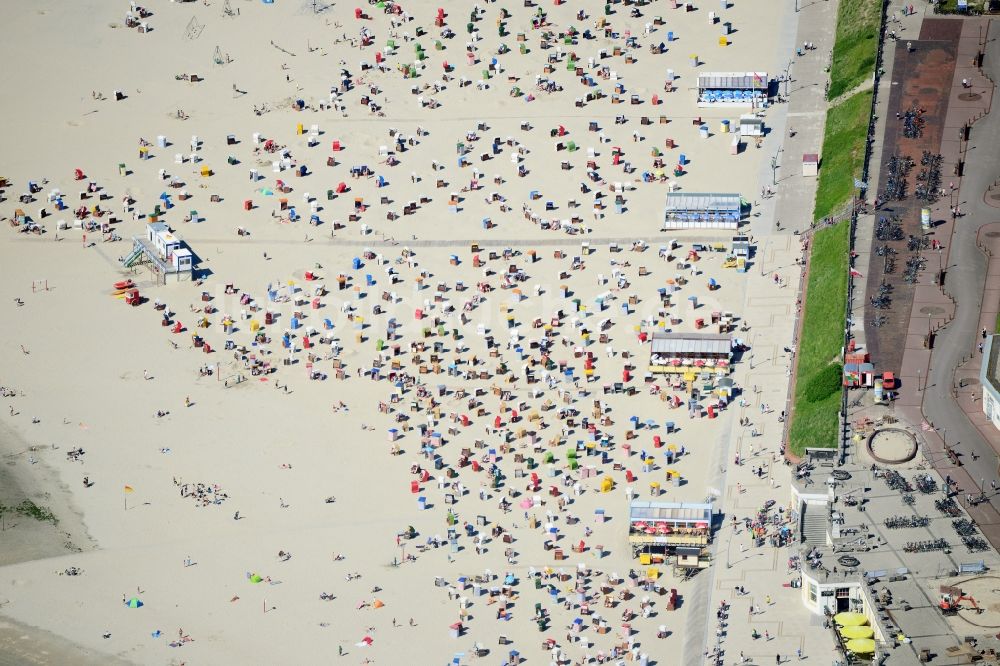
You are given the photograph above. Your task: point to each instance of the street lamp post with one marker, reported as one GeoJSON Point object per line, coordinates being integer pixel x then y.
{"type": "Point", "coordinates": [774, 169]}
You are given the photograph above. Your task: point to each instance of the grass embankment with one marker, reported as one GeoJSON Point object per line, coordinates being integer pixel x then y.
{"type": "Point", "coordinates": [817, 399]}
{"type": "Point", "coordinates": [854, 46]}
{"type": "Point", "coordinates": [843, 152]}
{"type": "Point", "coordinates": [816, 402]}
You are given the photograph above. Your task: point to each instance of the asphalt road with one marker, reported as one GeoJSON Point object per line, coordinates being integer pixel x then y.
{"type": "Point", "coordinates": [965, 281]}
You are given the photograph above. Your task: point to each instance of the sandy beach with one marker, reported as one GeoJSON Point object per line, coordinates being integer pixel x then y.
{"type": "Point", "coordinates": [197, 484]}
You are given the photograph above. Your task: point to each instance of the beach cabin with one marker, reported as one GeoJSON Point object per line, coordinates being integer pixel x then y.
{"type": "Point", "coordinates": [741, 247]}
{"type": "Point", "coordinates": [751, 125]}
{"type": "Point", "coordinates": [722, 89]}
{"type": "Point", "coordinates": [810, 164]}
{"type": "Point", "coordinates": [702, 210]}
{"type": "Point", "coordinates": [658, 530]}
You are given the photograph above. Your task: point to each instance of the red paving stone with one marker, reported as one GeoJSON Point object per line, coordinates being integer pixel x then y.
{"type": "Point", "coordinates": [927, 71]}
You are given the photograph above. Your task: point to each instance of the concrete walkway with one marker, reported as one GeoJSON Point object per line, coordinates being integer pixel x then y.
{"type": "Point", "coordinates": [765, 377]}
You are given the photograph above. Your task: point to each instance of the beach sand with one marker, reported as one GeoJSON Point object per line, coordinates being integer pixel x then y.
{"type": "Point", "coordinates": [79, 354]}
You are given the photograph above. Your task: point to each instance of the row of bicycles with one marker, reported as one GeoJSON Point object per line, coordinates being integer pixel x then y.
{"type": "Point", "coordinates": [889, 229]}
{"type": "Point", "coordinates": [964, 527]}
{"type": "Point", "coordinates": [913, 122]}
{"type": "Point", "coordinates": [897, 169]}
{"type": "Point", "coordinates": [926, 484]}
{"type": "Point", "coordinates": [900, 522]}
{"type": "Point", "coordinates": [882, 299]}
{"type": "Point", "coordinates": [948, 506]}
{"type": "Point", "coordinates": [914, 265]}
{"type": "Point", "coordinates": [927, 546]}
{"type": "Point", "coordinates": [929, 178]}
{"type": "Point", "coordinates": [897, 481]}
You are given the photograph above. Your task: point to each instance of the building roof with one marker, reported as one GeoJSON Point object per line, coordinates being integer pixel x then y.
{"type": "Point", "coordinates": [702, 201]}
{"type": "Point", "coordinates": [675, 511]}
{"type": "Point", "coordinates": [732, 81]}
{"type": "Point", "coordinates": [691, 343]}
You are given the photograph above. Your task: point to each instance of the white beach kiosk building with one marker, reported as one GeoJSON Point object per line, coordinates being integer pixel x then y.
{"type": "Point", "coordinates": [732, 89]}
{"type": "Point", "coordinates": [702, 210]}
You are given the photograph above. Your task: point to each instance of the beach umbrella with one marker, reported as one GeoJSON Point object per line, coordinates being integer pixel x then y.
{"type": "Point", "coordinates": [861, 645]}
{"type": "Point", "coordinates": [255, 578]}
{"type": "Point", "coordinates": [378, 603]}
{"type": "Point", "coordinates": [857, 632]}
{"type": "Point", "coordinates": [850, 619]}
{"type": "Point", "coordinates": [134, 603]}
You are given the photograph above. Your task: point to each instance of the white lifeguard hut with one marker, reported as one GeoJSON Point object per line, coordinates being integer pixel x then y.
{"type": "Point", "coordinates": [163, 253]}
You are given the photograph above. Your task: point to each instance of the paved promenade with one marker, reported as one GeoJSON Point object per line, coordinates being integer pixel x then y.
{"type": "Point", "coordinates": [763, 572]}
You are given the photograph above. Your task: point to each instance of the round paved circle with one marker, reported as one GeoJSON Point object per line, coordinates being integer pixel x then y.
{"type": "Point", "coordinates": [931, 310]}
{"type": "Point", "coordinates": [892, 446]}
{"type": "Point", "coordinates": [970, 97]}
